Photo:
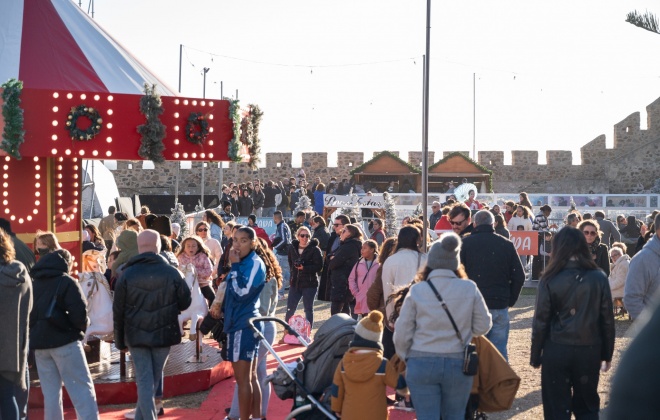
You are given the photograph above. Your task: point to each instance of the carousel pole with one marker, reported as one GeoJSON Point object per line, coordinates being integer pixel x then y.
{"type": "Point", "coordinates": [425, 130]}
{"type": "Point", "coordinates": [206, 70]}
{"type": "Point", "coordinates": [178, 164]}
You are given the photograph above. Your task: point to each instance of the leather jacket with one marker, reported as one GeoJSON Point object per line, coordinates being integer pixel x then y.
{"type": "Point", "coordinates": [574, 308]}
{"type": "Point", "coordinates": [312, 262]}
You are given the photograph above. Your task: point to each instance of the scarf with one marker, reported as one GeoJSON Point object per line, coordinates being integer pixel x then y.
{"type": "Point", "coordinates": [594, 246]}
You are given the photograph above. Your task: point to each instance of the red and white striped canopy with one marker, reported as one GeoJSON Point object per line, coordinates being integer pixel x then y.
{"type": "Point", "coordinates": [53, 44]}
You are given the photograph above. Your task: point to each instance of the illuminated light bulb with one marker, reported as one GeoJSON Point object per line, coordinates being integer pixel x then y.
{"type": "Point", "coordinates": [176, 156]}
{"type": "Point", "coordinates": [7, 159]}
{"type": "Point", "coordinates": [67, 152]}
{"type": "Point", "coordinates": [37, 194]}
{"type": "Point", "coordinates": [75, 167]}
{"type": "Point", "coordinates": [108, 153]}
{"type": "Point", "coordinates": [35, 211]}
{"type": "Point", "coordinates": [97, 97]}
{"type": "Point", "coordinates": [37, 176]}
{"type": "Point", "coordinates": [75, 210]}
{"type": "Point", "coordinates": [68, 219]}
{"type": "Point", "coordinates": [185, 102]}
{"type": "Point", "coordinates": [69, 95]}
{"type": "Point", "coordinates": [37, 202]}
{"type": "Point", "coordinates": [59, 185]}
{"type": "Point", "coordinates": [210, 142]}
{"type": "Point", "coordinates": [202, 155]}
{"type": "Point", "coordinates": [59, 193]}
{"type": "Point", "coordinates": [210, 129]}
{"type": "Point", "coordinates": [194, 103]}
{"type": "Point", "coordinates": [81, 153]}
{"type": "Point", "coordinates": [5, 176]}
{"type": "Point", "coordinates": [5, 202]}
{"type": "Point", "coordinates": [203, 103]}
{"type": "Point", "coordinates": [36, 159]}
{"type": "Point", "coordinates": [109, 112]}
{"type": "Point", "coordinates": [210, 155]}
{"type": "Point", "coordinates": [29, 218]}
{"type": "Point", "coordinates": [5, 167]}
{"type": "Point", "coordinates": [211, 117]}
{"type": "Point", "coordinates": [59, 176]}
{"type": "Point", "coordinates": [59, 202]}
{"type": "Point", "coordinates": [109, 139]}
{"type": "Point", "coordinates": [176, 128]}
{"type": "Point", "coordinates": [108, 125]}
{"type": "Point", "coordinates": [5, 185]}
{"type": "Point", "coordinates": [176, 141]}
{"type": "Point", "coordinates": [75, 176]}
{"type": "Point", "coordinates": [54, 137]}
{"type": "Point", "coordinates": [61, 211]}
{"type": "Point", "coordinates": [75, 159]}
{"type": "Point", "coordinates": [194, 155]}
{"type": "Point", "coordinates": [83, 96]}
{"type": "Point", "coordinates": [7, 211]}
{"type": "Point", "coordinates": [63, 217]}
{"type": "Point", "coordinates": [21, 220]}
{"type": "Point", "coordinates": [185, 155]}
{"type": "Point", "coordinates": [75, 193]}
{"type": "Point", "coordinates": [53, 151]}
{"type": "Point", "coordinates": [176, 115]}
{"type": "Point", "coordinates": [13, 217]}
{"type": "Point", "coordinates": [37, 167]}
{"type": "Point", "coordinates": [55, 123]}
{"type": "Point", "coordinates": [176, 102]}
{"type": "Point", "coordinates": [75, 185]}
{"type": "Point", "coordinates": [59, 167]}
{"type": "Point", "coordinates": [95, 152]}
{"type": "Point", "coordinates": [37, 185]}
{"type": "Point", "coordinates": [75, 201]}
{"type": "Point", "coordinates": [210, 103]}
{"type": "Point", "coordinates": [61, 159]}
{"type": "Point", "coordinates": [5, 193]}
{"type": "Point", "coordinates": [110, 98]}
{"type": "Point", "coordinates": [55, 109]}
{"type": "Point", "coordinates": [56, 95]}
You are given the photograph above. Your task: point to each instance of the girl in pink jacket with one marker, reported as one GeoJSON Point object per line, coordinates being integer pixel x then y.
{"type": "Point", "coordinates": [363, 275]}
{"type": "Point", "coordinates": [193, 251]}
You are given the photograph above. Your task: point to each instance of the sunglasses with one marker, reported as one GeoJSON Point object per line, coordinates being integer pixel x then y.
{"type": "Point", "coordinates": [590, 232]}
{"type": "Point", "coordinates": [303, 236]}
{"type": "Point", "coordinates": [202, 230]}
{"type": "Point", "coordinates": [460, 222]}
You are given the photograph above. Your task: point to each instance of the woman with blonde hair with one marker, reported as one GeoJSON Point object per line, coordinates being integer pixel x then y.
{"type": "Point", "coordinates": [202, 229]}
{"type": "Point", "coordinates": [44, 243]}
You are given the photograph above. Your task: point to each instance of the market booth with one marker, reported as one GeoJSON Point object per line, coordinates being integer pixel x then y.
{"type": "Point", "coordinates": [454, 168]}
{"type": "Point", "coordinates": [386, 167]}
{"type": "Point", "coordinates": [82, 96]}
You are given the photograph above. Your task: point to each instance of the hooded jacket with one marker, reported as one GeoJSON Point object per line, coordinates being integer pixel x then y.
{"type": "Point", "coordinates": [358, 387]}
{"type": "Point", "coordinates": [15, 307]}
{"type": "Point", "coordinates": [340, 266]}
{"type": "Point", "coordinates": [618, 276]}
{"type": "Point", "coordinates": [359, 282]}
{"type": "Point", "coordinates": [643, 277]}
{"type": "Point", "coordinates": [51, 270]}
{"type": "Point", "coordinates": [312, 261]}
{"type": "Point", "coordinates": [148, 298]}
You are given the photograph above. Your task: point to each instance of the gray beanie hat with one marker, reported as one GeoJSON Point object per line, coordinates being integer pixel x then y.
{"type": "Point", "coordinates": [445, 252]}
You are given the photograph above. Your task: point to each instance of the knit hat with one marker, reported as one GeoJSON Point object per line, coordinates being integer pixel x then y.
{"type": "Point", "coordinates": [369, 331]}
{"type": "Point", "coordinates": [148, 241]}
{"type": "Point", "coordinates": [444, 252]}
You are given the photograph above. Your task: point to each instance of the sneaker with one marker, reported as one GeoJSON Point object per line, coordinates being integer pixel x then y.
{"type": "Point", "coordinates": [390, 401]}
{"type": "Point", "coordinates": [404, 405]}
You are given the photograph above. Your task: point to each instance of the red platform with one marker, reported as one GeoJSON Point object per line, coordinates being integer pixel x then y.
{"type": "Point", "coordinates": [181, 377]}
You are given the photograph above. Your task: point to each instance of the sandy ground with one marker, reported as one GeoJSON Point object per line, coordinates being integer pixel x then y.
{"type": "Point", "coordinates": [528, 400]}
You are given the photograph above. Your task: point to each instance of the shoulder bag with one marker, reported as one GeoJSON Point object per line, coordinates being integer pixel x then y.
{"type": "Point", "coordinates": [470, 356]}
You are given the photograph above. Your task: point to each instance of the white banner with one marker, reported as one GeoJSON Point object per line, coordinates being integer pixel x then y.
{"type": "Point", "coordinates": [366, 201]}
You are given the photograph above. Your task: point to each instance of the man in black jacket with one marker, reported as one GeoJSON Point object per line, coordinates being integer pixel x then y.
{"type": "Point", "coordinates": [148, 298]}
{"type": "Point", "coordinates": [492, 262]}
{"type": "Point", "coordinates": [270, 191]}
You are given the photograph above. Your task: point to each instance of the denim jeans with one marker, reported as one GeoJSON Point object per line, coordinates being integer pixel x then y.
{"type": "Point", "coordinates": [438, 387]}
{"type": "Point", "coordinates": [8, 405]}
{"type": "Point", "coordinates": [149, 363]}
{"type": "Point", "coordinates": [66, 364]}
{"type": "Point", "coordinates": [499, 333]}
{"type": "Point", "coordinates": [283, 261]}
{"type": "Point", "coordinates": [22, 397]}
{"type": "Point", "coordinates": [307, 295]}
{"type": "Point", "coordinates": [269, 330]}
{"type": "Point", "coordinates": [268, 211]}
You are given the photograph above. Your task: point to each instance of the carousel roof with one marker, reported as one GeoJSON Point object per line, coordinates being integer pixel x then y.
{"type": "Point", "coordinates": [53, 44]}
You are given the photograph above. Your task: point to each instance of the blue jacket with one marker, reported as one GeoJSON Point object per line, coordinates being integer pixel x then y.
{"type": "Point", "coordinates": [318, 202]}
{"type": "Point", "coordinates": [245, 282]}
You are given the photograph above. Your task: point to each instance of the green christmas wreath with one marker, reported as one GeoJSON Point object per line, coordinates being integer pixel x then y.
{"type": "Point", "coordinates": [90, 132]}
{"type": "Point", "coordinates": [197, 129]}
{"type": "Point", "coordinates": [13, 134]}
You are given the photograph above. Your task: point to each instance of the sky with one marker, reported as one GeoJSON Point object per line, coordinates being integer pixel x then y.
{"type": "Point", "coordinates": [346, 75]}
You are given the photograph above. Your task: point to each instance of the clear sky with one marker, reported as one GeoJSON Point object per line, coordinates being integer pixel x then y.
{"type": "Point", "coordinates": [346, 75]}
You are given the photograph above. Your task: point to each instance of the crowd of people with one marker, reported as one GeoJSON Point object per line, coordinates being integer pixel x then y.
{"type": "Point", "coordinates": [418, 310]}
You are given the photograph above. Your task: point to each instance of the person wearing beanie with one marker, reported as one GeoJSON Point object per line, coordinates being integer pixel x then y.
{"type": "Point", "coordinates": [148, 289]}
{"type": "Point", "coordinates": [425, 338]}
{"type": "Point", "coordinates": [359, 386]}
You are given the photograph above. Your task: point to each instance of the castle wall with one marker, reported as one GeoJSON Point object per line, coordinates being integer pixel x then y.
{"type": "Point", "coordinates": [631, 165]}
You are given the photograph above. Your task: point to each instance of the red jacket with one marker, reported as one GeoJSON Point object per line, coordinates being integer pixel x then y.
{"type": "Point", "coordinates": [261, 233]}
{"type": "Point", "coordinates": [443, 223]}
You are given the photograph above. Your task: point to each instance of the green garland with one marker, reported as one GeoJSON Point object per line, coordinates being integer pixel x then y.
{"type": "Point", "coordinates": [153, 131]}
{"type": "Point", "coordinates": [89, 113]}
{"type": "Point", "coordinates": [254, 146]}
{"type": "Point", "coordinates": [235, 143]}
{"type": "Point", "coordinates": [197, 129]}
{"type": "Point", "coordinates": [13, 134]}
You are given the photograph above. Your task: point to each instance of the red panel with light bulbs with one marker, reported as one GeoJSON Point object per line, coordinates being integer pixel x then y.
{"type": "Point", "coordinates": [46, 117]}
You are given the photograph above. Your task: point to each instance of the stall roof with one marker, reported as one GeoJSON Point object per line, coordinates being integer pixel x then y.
{"type": "Point", "coordinates": [457, 164]}
{"type": "Point", "coordinates": [386, 163]}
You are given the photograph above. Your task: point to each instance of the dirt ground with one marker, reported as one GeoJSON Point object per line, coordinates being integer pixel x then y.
{"type": "Point", "coordinates": [528, 400]}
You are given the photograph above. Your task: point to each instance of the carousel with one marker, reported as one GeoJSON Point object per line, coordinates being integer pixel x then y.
{"type": "Point", "coordinates": [71, 92]}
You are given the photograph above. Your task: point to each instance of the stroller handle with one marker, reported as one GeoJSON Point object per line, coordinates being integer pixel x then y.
{"type": "Point", "coordinates": [286, 326]}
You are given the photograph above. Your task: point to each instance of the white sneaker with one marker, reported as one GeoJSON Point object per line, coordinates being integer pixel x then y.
{"type": "Point", "coordinates": [404, 405]}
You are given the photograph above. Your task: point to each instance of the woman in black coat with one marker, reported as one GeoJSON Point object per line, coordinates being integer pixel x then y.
{"type": "Point", "coordinates": [340, 265]}
{"type": "Point", "coordinates": [245, 204]}
{"type": "Point", "coordinates": [305, 262]}
{"type": "Point", "coordinates": [599, 251]}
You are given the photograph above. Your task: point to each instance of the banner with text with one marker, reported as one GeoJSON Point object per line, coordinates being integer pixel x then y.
{"type": "Point", "coordinates": [525, 241]}
{"type": "Point", "coordinates": [365, 202]}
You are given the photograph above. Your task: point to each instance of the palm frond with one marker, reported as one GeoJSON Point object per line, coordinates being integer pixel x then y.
{"type": "Point", "coordinates": [646, 21]}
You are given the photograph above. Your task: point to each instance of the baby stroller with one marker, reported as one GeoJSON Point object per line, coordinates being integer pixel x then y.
{"type": "Point", "coordinates": [307, 381]}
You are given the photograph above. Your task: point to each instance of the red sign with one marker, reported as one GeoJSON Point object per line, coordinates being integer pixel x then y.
{"type": "Point", "coordinates": [525, 241]}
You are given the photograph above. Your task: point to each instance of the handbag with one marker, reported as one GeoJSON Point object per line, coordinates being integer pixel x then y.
{"type": "Point", "coordinates": [470, 356]}
{"type": "Point", "coordinates": [55, 315]}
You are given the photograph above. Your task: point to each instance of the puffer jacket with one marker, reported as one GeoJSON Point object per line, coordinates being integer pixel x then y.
{"type": "Point", "coordinates": [47, 273]}
{"type": "Point", "coordinates": [574, 307]}
{"type": "Point", "coordinates": [340, 267]}
{"type": "Point", "coordinates": [312, 260]}
{"type": "Point", "coordinates": [618, 276]}
{"type": "Point", "coordinates": [148, 298]}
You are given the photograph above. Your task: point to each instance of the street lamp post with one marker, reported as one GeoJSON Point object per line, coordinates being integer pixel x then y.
{"type": "Point", "coordinates": [206, 70]}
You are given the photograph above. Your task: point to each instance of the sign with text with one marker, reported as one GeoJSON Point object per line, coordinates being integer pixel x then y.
{"type": "Point", "coordinates": [266, 224]}
{"type": "Point", "coordinates": [525, 241]}
{"type": "Point", "coordinates": [365, 202]}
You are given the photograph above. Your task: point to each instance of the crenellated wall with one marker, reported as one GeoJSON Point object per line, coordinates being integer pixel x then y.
{"type": "Point", "coordinates": [630, 165]}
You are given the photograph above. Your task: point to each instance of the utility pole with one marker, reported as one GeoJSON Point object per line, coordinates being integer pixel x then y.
{"type": "Point", "coordinates": [425, 131]}
{"type": "Point", "coordinates": [206, 70]}
{"type": "Point", "coordinates": [474, 116]}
